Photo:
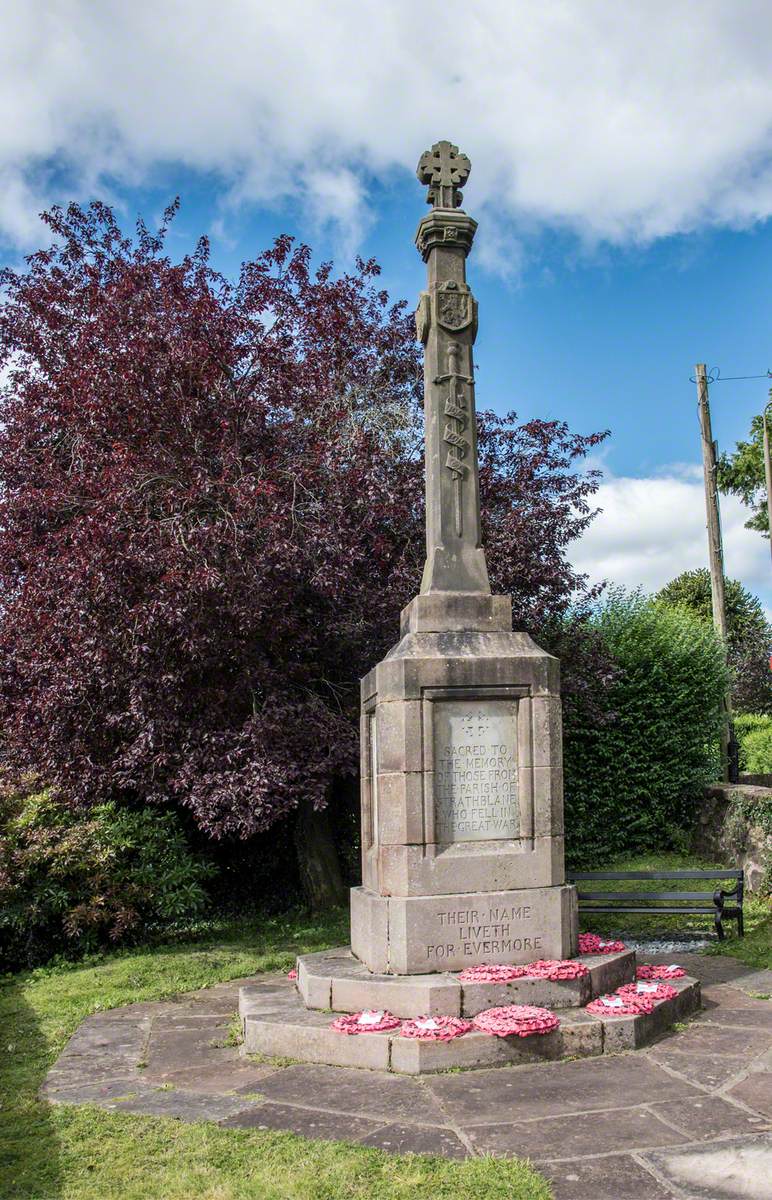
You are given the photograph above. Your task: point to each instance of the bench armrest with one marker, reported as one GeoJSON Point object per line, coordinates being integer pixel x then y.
{"type": "Point", "coordinates": [726, 895]}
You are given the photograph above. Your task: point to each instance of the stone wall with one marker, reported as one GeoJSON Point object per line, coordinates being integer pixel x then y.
{"type": "Point", "coordinates": [734, 828]}
{"type": "Point", "coordinates": [764, 781]}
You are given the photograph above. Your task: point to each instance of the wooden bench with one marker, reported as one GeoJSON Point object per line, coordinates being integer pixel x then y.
{"type": "Point", "coordinates": [651, 902]}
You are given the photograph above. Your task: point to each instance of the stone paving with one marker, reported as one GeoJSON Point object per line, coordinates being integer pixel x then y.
{"type": "Point", "coordinates": [687, 1118]}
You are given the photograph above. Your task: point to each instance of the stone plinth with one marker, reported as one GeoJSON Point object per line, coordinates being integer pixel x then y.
{"type": "Point", "coordinates": [408, 935]}
{"type": "Point", "coordinates": [462, 801]}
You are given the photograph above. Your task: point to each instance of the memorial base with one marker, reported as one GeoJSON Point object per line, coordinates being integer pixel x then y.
{"type": "Point", "coordinates": [408, 935]}
{"type": "Point", "coordinates": [276, 1022]}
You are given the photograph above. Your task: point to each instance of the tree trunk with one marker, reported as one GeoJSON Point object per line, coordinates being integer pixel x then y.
{"type": "Point", "coordinates": [318, 861]}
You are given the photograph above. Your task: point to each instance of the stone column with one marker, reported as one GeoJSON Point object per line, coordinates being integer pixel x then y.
{"type": "Point", "coordinates": [462, 804]}
{"type": "Point", "coordinates": [446, 321]}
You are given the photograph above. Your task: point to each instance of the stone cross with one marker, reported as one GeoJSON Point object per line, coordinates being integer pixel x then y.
{"type": "Point", "coordinates": [447, 324]}
{"type": "Point", "coordinates": [444, 171]}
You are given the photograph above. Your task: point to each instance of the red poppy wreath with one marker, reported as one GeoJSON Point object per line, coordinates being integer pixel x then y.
{"type": "Point", "coordinates": [653, 988]}
{"type": "Point", "coordinates": [556, 968]}
{"type": "Point", "coordinates": [367, 1021]}
{"type": "Point", "coordinates": [494, 973]}
{"type": "Point", "coordinates": [590, 943]}
{"type": "Point", "coordinates": [435, 1029]}
{"type": "Point", "coordinates": [657, 971]}
{"type": "Point", "coordinates": [616, 1005]}
{"type": "Point", "coordinates": [516, 1020]}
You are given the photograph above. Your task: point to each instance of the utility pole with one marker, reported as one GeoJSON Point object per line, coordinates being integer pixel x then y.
{"type": "Point", "coordinates": [768, 464]}
{"type": "Point", "coordinates": [716, 562]}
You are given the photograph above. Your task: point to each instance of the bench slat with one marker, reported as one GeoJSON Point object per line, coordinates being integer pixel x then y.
{"type": "Point", "coordinates": [577, 875]}
{"type": "Point", "coordinates": [644, 896]}
{"type": "Point", "coordinates": [652, 912]}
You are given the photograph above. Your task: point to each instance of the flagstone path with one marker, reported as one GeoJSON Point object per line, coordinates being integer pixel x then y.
{"type": "Point", "coordinates": [689, 1117]}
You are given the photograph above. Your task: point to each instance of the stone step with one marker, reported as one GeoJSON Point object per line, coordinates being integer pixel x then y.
{"type": "Point", "coordinates": [335, 979]}
{"type": "Point", "coordinates": [278, 1024]}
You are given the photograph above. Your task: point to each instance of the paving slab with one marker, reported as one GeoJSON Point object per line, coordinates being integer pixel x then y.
{"type": "Point", "coordinates": [755, 1091]}
{"type": "Point", "coordinates": [182, 1106]}
{"type": "Point", "coordinates": [708, 1071]}
{"type": "Point", "coordinates": [759, 982]}
{"type": "Point", "coordinates": [737, 1169]}
{"type": "Point", "coordinates": [586, 1135]}
{"type": "Point", "coordinates": [98, 1091]}
{"type": "Point", "coordinates": [703, 1037]}
{"type": "Point", "coordinates": [114, 1040]}
{"type": "Point", "coordinates": [364, 1093]}
{"type": "Point", "coordinates": [616, 1177]}
{"type": "Point", "coordinates": [729, 1005]}
{"type": "Point", "coordinates": [208, 1005]}
{"type": "Point", "coordinates": [417, 1139]}
{"type": "Point", "coordinates": [76, 1073]}
{"type": "Point", "coordinates": [176, 1020]}
{"type": "Point", "coordinates": [731, 996]}
{"type": "Point", "coordinates": [305, 1121]}
{"type": "Point", "coordinates": [165, 1060]}
{"type": "Point", "coordinates": [217, 1077]}
{"type": "Point", "coordinates": [523, 1093]}
{"type": "Point", "coordinates": [709, 1117]}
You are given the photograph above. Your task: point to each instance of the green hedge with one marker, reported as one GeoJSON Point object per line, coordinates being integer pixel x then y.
{"type": "Point", "coordinates": [633, 779]}
{"type": "Point", "coordinates": [72, 882]}
{"type": "Point", "coordinates": [754, 733]}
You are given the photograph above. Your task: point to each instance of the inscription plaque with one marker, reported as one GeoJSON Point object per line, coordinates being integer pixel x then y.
{"type": "Point", "coordinates": [475, 770]}
{"type": "Point", "coordinates": [489, 931]}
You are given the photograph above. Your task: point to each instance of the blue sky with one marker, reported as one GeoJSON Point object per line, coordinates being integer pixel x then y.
{"type": "Point", "coordinates": [603, 338]}
{"type": "Point", "coordinates": [624, 194]}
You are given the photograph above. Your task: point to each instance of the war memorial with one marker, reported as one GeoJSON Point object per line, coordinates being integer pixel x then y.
{"type": "Point", "coordinates": [461, 788]}
{"type": "Point", "coordinates": [465, 951]}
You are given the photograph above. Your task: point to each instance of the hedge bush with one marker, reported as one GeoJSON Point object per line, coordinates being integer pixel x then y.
{"type": "Point", "coordinates": [71, 882]}
{"type": "Point", "coordinates": [634, 778]}
{"type": "Point", "coordinates": [754, 733]}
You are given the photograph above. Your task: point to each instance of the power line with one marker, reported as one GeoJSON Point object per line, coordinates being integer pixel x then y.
{"type": "Point", "coordinates": [715, 376]}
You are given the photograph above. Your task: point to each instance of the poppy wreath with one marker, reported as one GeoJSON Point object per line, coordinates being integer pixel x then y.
{"type": "Point", "coordinates": [293, 974]}
{"type": "Point", "coordinates": [518, 1020]}
{"type": "Point", "coordinates": [556, 968]}
{"type": "Point", "coordinates": [654, 989]}
{"type": "Point", "coordinates": [494, 973]}
{"type": "Point", "coordinates": [590, 943]}
{"type": "Point", "coordinates": [367, 1021]}
{"type": "Point", "coordinates": [615, 1005]}
{"type": "Point", "coordinates": [653, 971]}
{"type": "Point", "coordinates": [435, 1029]}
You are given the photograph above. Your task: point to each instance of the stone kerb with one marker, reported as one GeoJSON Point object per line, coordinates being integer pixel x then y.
{"type": "Point", "coordinates": [336, 980]}
{"type": "Point", "coordinates": [288, 1029]}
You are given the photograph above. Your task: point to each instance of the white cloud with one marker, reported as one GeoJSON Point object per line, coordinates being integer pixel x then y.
{"type": "Point", "coordinates": [618, 121]}
{"type": "Point", "coordinates": [650, 530]}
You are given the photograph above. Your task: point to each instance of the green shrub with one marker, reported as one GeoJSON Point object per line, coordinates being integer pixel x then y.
{"type": "Point", "coordinates": [754, 733]}
{"type": "Point", "coordinates": [633, 779]}
{"type": "Point", "coordinates": [74, 881]}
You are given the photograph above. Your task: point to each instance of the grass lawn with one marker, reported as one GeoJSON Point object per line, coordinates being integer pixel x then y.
{"type": "Point", "coordinates": [755, 948]}
{"type": "Point", "coordinates": [83, 1153]}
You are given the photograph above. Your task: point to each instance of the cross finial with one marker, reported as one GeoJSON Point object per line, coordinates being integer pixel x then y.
{"type": "Point", "coordinates": [444, 171]}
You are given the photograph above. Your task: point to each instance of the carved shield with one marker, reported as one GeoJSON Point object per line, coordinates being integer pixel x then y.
{"type": "Point", "coordinates": [454, 309]}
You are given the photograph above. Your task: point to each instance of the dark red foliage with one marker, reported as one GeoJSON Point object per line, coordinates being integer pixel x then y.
{"type": "Point", "coordinates": [211, 513]}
